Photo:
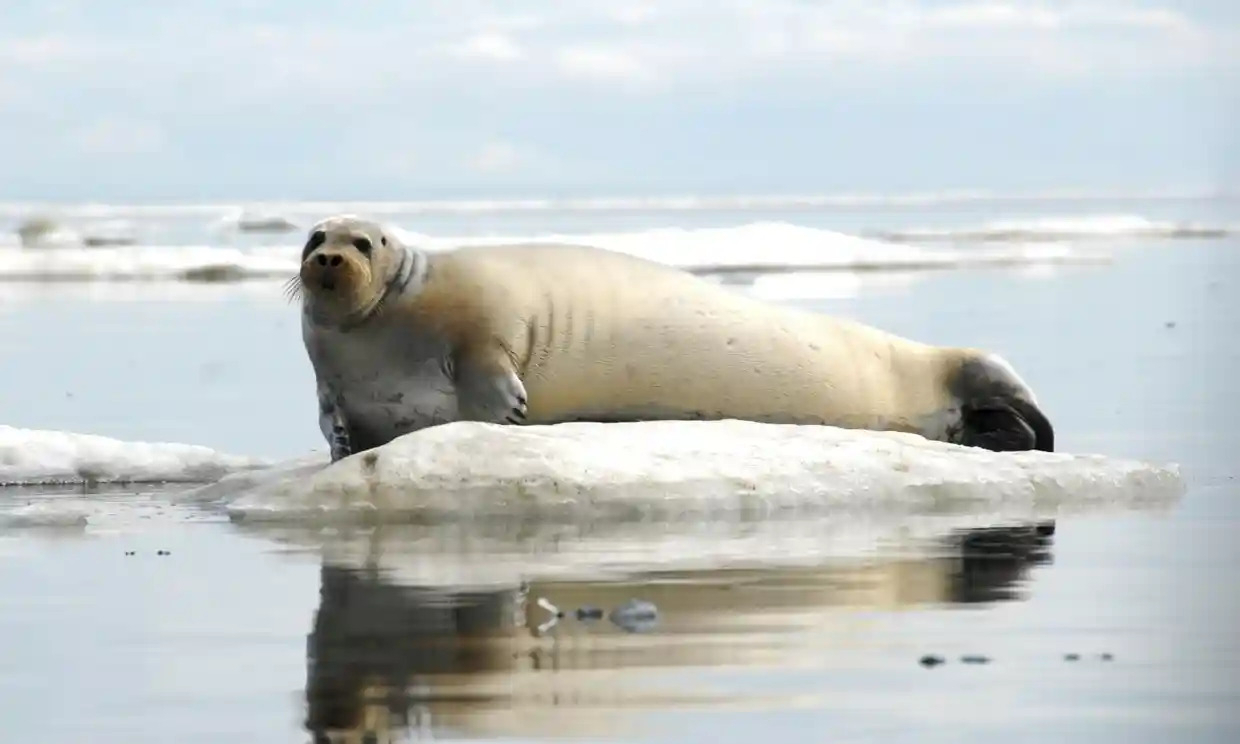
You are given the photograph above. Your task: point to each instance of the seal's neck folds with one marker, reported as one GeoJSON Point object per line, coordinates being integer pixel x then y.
{"type": "Point", "coordinates": [407, 279]}
{"type": "Point", "coordinates": [409, 276]}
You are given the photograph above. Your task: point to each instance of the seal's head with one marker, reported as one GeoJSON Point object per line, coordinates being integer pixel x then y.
{"type": "Point", "coordinates": [349, 268]}
{"type": "Point", "coordinates": [998, 409]}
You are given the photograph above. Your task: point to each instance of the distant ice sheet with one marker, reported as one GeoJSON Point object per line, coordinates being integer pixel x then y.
{"type": "Point", "coordinates": [36, 456]}
{"type": "Point", "coordinates": [754, 247]}
{"type": "Point", "coordinates": [1095, 226]}
{"type": "Point", "coordinates": [146, 263]}
{"type": "Point", "coordinates": [780, 246]}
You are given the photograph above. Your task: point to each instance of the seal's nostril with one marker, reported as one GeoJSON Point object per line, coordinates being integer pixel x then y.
{"type": "Point", "coordinates": [336, 260]}
{"type": "Point", "coordinates": [321, 259]}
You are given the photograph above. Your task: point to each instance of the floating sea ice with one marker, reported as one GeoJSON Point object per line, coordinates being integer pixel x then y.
{"type": "Point", "coordinates": [672, 469]}
{"type": "Point", "coordinates": [35, 456]}
{"type": "Point", "coordinates": [41, 515]}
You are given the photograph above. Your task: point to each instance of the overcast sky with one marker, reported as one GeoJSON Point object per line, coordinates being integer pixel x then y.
{"type": "Point", "coordinates": [208, 99]}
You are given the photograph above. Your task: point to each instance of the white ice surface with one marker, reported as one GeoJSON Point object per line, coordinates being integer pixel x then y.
{"type": "Point", "coordinates": [587, 472]}
{"type": "Point", "coordinates": [36, 456]}
{"type": "Point", "coordinates": [758, 246]}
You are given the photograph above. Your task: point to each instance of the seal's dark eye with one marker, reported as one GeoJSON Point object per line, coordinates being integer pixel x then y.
{"type": "Point", "coordinates": [316, 239]}
{"type": "Point", "coordinates": [383, 239]}
{"type": "Point", "coordinates": [362, 245]}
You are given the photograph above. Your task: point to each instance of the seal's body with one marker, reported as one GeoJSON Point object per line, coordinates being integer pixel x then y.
{"type": "Point", "coordinates": [541, 334]}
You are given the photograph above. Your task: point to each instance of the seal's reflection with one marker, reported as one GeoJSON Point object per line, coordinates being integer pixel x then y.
{"type": "Point", "coordinates": [388, 660]}
{"type": "Point", "coordinates": [995, 561]}
{"type": "Point", "coordinates": [371, 637]}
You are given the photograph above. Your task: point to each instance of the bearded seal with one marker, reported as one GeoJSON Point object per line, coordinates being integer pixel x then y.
{"type": "Point", "coordinates": [401, 339]}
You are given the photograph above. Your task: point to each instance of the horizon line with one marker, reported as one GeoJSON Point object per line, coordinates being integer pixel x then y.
{"type": "Point", "coordinates": [686, 201]}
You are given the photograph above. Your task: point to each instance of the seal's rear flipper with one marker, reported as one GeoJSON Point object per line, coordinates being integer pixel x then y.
{"type": "Point", "coordinates": [998, 430]}
{"type": "Point", "coordinates": [1010, 423]}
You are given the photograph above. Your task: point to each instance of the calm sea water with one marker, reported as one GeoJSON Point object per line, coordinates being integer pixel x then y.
{"type": "Point", "coordinates": [237, 635]}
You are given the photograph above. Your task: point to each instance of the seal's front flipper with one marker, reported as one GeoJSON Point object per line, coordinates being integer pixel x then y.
{"type": "Point", "coordinates": [488, 388]}
{"type": "Point", "coordinates": [340, 445]}
{"type": "Point", "coordinates": [333, 427]}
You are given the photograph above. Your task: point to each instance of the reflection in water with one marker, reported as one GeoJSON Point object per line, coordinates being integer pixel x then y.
{"type": "Point", "coordinates": [389, 661]}
{"type": "Point", "coordinates": [994, 562]}
{"type": "Point", "coordinates": [373, 643]}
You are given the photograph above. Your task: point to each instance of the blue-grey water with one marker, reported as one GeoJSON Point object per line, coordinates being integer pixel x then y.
{"type": "Point", "coordinates": [236, 636]}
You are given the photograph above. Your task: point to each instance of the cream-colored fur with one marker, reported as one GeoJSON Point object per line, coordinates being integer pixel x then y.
{"type": "Point", "coordinates": [599, 334]}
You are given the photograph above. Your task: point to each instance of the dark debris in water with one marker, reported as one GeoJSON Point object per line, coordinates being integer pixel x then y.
{"type": "Point", "coordinates": [932, 660]}
{"type": "Point", "coordinates": [588, 613]}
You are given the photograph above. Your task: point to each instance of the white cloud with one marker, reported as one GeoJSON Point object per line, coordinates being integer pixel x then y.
{"type": "Point", "coordinates": [490, 46]}
{"type": "Point", "coordinates": [511, 22]}
{"type": "Point", "coordinates": [438, 77]}
{"type": "Point", "coordinates": [1128, 17]}
{"type": "Point", "coordinates": [386, 160]}
{"type": "Point", "coordinates": [992, 15]}
{"type": "Point", "coordinates": [118, 136]}
{"type": "Point", "coordinates": [497, 157]}
{"type": "Point", "coordinates": [634, 13]}
{"type": "Point", "coordinates": [597, 63]}
{"type": "Point", "coordinates": [673, 42]}
{"type": "Point", "coordinates": [43, 50]}
{"type": "Point", "coordinates": [967, 27]}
